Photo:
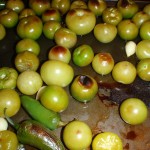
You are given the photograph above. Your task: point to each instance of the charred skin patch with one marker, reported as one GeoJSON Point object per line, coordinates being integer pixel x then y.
{"type": "Point", "coordinates": [58, 50]}
{"type": "Point", "coordinates": [85, 81]}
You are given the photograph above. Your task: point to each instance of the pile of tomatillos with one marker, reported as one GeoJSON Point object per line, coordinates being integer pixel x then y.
{"type": "Point", "coordinates": [39, 87]}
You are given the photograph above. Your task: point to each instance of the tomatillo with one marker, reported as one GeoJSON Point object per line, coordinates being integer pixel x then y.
{"type": "Point", "coordinates": [8, 78]}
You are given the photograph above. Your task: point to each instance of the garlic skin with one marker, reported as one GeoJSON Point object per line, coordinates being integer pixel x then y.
{"type": "Point", "coordinates": [130, 48]}
{"type": "Point", "coordinates": [3, 124]}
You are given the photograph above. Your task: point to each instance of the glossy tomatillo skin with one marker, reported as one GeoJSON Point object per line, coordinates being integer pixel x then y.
{"type": "Point", "coordinates": [62, 5]}
{"type": "Point", "coordinates": [140, 17]}
{"type": "Point", "coordinates": [15, 5]}
{"type": "Point", "coordinates": [8, 140]}
{"type": "Point", "coordinates": [84, 88]}
{"type": "Point", "coordinates": [128, 8]}
{"type": "Point", "coordinates": [28, 44]}
{"type": "Point", "coordinates": [65, 37]}
{"type": "Point", "coordinates": [29, 82]}
{"type": "Point", "coordinates": [39, 6]}
{"type": "Point", "coordinates": [8, 18]}
{"type": "Point", "coordinates": [26, 60]}
{"type": "Point", "coordinates": [143, 49]}
{"type": "Point", "coordinates": [107, 140]}
{"type": "Point", "coordinates": [54, 97]}
{"type": "Point", "coordinates": [124, 72]}
{"type": "Point", "coordinates": [145, 30]}
{"type": "Point", "coordinates": [56, 72]}
{"type": "Point", "coordinates": [9, 99]}
{"type": "Point", "coordinates": [127, 29]}
{"type": "Point", "coordinates": [112, 15]}
{"type": "Point", "coordinates": [30, 27]}
{"type": "Point", "coordinates": [8, 78]}
{"type": "Point", "coordinates": [50, 27]}
{"type": "Point", "coordinates": [78, 4]}
{"type": "Point", "coordinates": [143, 69]}
{"type": "Point", "coordinates": [81, 21]}
{"type": "Point", "coordinates": [83, 55]}
{"type": "Point", "coordinates": [26, 12]}
{"type": "Point", "coordinates": [133, 111]}
{"type": "Point", "coordinates": [76, 132]}
{"type": "Point", "coordinates": [105, 32]}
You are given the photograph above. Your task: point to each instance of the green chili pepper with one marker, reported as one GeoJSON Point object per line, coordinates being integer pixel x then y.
{"type": "Point", "coordinates": [38, 112]}
{"type": "Point", "coordinates": [33, 133]}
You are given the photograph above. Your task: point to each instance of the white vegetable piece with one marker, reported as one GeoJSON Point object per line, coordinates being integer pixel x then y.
{"type": "Point", "coordinates": [130, 48]}
{"type": "Point", "coordinates": [3, 124]}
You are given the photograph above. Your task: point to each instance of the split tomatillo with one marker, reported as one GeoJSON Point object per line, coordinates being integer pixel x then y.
{"type": "Point", "coordinates": [8, 78]}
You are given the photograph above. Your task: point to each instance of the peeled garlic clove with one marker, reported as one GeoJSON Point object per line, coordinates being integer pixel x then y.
{"type": "Point", "coordinates": [3, 124]}
{"type": "Point", "coordinates": [130, 48]}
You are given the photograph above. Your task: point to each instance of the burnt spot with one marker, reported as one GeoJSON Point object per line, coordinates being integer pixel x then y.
{"type": "Point", "coordinates": [85, 81]}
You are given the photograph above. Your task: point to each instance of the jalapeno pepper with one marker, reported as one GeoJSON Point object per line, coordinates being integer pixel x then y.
{"type": "Point", "coordinates": [31, 132]}
{"type": "Point", "coordinates": [41, 114]}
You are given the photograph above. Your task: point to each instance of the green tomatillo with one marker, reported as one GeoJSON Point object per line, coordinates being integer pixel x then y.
{"type": "Point", "coordinates": [84, 88]}
{"type": "Point", "coordinates": [128, 8]}
{"type": "Point", "coordinates": [8, 78]}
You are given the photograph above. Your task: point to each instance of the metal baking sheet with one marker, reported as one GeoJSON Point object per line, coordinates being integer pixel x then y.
{"type": "Point", "coordinates": [100, 114]}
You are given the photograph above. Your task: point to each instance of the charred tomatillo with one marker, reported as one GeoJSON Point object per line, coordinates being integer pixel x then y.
{"type": "Point", "coordinates": [84, 88]}
{"type": "Point", "coordinates": [60, 53]}
{"type": "Point", "coordinates": [51, 14]}
{"type": "Point", "coordinates": [128, 8]}
{"type": "Point", "coordinates": [103, 63]}
{"type": "Point", "coordinates": [8, 78]}
{"type": "Point", "coordinates": [97, 6]}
